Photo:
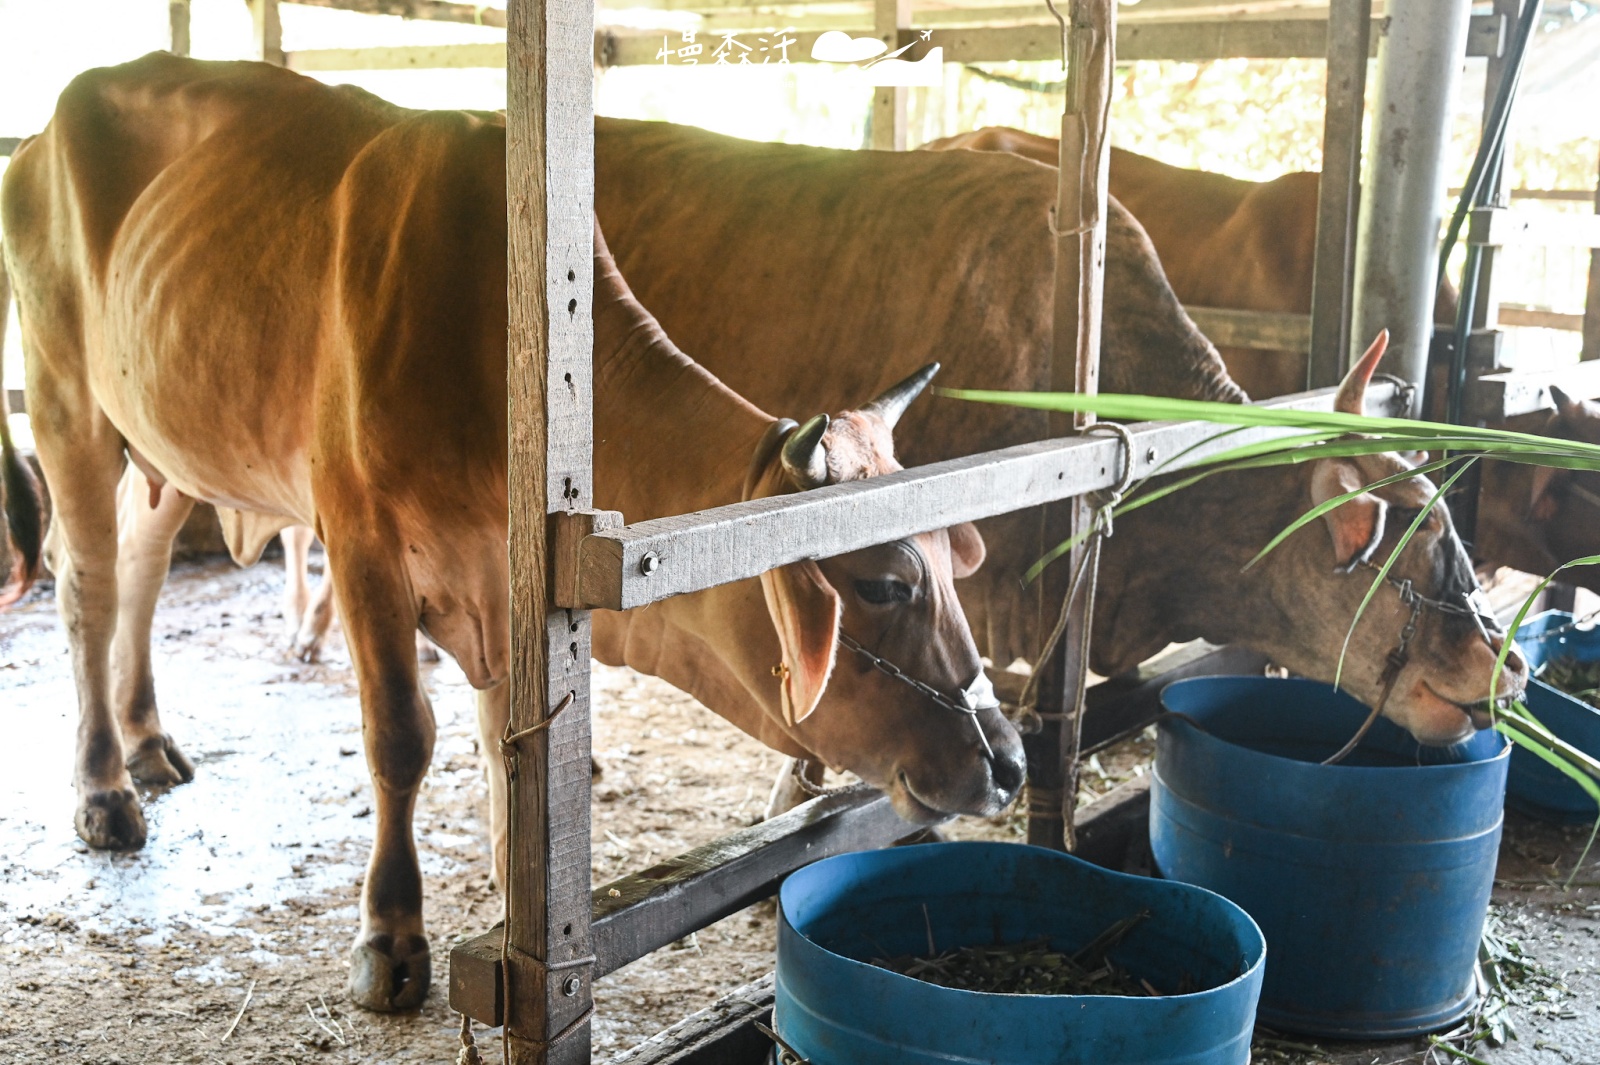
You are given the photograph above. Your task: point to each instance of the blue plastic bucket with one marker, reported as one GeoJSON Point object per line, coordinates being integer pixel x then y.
{"type": "Point", "coordinates": [836, 1008]}
{"type": "Point", "coordinates": [1535, 787]}
{"type": "Point", "coordinates": [1370, 878]}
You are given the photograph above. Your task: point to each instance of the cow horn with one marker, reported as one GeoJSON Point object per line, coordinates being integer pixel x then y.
{"type": "Point", "coordinates": [897, 398]}
{"type": "Point", "coordinates": [1352, 397]}
{"type": "Point", "coordinates": [804, 458]}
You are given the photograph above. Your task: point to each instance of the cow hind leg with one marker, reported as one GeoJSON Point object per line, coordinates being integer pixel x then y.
{"type": "Point", "coordinates": [494, 711]}
{"type": "Point", "coordinates": [144, 554]}
{"type": "Point", "coordinates": [82, 457]}
{"type": "Point", "coordinates": [390, 967]}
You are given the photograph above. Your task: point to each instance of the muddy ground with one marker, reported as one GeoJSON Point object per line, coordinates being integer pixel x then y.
{"type": "Point", "coordinates": [224, 939]}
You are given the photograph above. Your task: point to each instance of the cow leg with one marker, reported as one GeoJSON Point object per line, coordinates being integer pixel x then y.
{"type": "Point", "coordinates": [144, 553]}
{"type": "Point", "coordinates": [390, 967]}
{"type": "Point", "coordinates": [82, 456]}
{"type": "Point", "coordinates": [307, 612]}
{"type": "Point", "coordinates": [494, 712]}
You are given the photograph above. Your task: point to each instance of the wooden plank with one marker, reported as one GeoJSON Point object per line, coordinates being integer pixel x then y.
{"type": "Point", "coordinates": [401, 57]}
{"type": "Point", "coordinates": [1497, 396]}
{"type": "Point", "coordinates": [891, 18]}
{"type": "Point", "coordinates": [8, 145]}
{"type": "Point", "coordinates": [178, 27]}
{"type": "Point", "coordinates": [17, 401]}
{"type": "Point", "coordinates": [268, 29]}
{"type": "Point", "coordinates": [645, 911]}
{"type": "Point", "coordinates": [723, 1033]}
{"type": "Point", "coordinates": [1501, 227]}
{"type": "Point", "coordinates": [1115, 824]}
{"type": "Point", "coordinates": [696, 551]}
{"type": "Point", "coordinates": [550, 203]}
{"type": "Point", "coordinates": [1266, 330]}
{"type": "Point", "coordinates": [1510, 314]}
{"type": "Point", "coordinates": [425, 10]}
{"type": "Point", "coordinates": [1591, 303]}
{"type": "Point", "coordinates": [1123, 706]}
{"type": "Point", "coordinates": [1339, 192]}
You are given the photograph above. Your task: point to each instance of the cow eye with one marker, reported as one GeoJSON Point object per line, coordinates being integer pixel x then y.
{"type": "Point", "coordinates": [884, 593]}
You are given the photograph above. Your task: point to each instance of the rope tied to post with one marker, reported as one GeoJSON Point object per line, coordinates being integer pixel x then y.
{"type": "Point", "coordinates": [1105, 501]}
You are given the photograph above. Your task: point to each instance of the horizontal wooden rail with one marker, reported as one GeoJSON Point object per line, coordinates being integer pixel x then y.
{"type": "Point", "coordinates": [1539, 318]}
{"type": "Point", "coordinates": [8, 145]}
{"type": "Point", "coordinates": [653, 560]}
{"type": "Point", "coordinates": [1269, 330]}
{"type": "Point", "coordinates": [1189, 41]}
{"type": "Point", "coordinates": [1500, 227]}
{"type": "Point", "coordinates": [724, 1033]}
{"type": "Point", "coordinates": [645, 911]}
{"type": "Point", "coordinates": [1497, 396]}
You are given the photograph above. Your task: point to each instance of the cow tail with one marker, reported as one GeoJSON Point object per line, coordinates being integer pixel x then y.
{"type": "Point", "coordinates": [23, 492]}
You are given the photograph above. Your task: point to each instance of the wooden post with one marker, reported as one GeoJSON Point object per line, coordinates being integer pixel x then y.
{"type": "Point", "coordinates": [269, 31]}
{"type": "Point", "coordinates": [1486, 311]}
{"type": "Point", "coordinates": [1075, 362]}
{"type": "Point", "coordinates": [1338, 196]}
{"type": "Point", "coordinates": [1591, 303]}
{"type": "Point", "coordinates": [550, 202]}
{"type": "Point", "coordinates": [178, 24]}
{"type": "Point", "coordinates": [889, 103]}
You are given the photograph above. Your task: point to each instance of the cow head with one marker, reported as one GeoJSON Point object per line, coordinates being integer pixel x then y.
{"type": "Point", "coordinates": [895, 603]}
{"type": "Point", "coordinates": [1425, 647]}
{"type": "Point", "coordinates": [1534, 518]}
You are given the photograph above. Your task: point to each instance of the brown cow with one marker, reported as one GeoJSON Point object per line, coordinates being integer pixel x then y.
{"type": "Point", "coordinates": [1223, 242]}
{"type": "Point", "coordinates": [805, 272]}
{"type": "Point", "coordinates": [21, 496]}
{"type": "Point", "coordinates": [290, 300]}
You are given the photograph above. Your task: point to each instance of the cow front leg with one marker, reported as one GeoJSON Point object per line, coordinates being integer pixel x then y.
{"type": "Point", "coordinates": [494, 711]}
{"type": "Point", "coordinates": [307, 612]}
{"type": "Point", "coordinates": [390, 967]}
{"type": "Point", "coordinates": [82, 457]}
{"type": "Point", "coordinates": [144, 554]}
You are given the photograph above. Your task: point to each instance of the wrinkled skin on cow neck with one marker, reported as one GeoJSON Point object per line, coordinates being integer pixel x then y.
{"type": "Point", "coordinates": [799, 274]}
{"type": "Point", "coordinates": [1223, 242]}
{"type": "Point", "coordinates": [290, 300]}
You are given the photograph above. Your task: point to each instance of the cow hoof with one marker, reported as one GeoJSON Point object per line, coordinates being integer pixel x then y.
{"type": "Point", "coordinates": [390, 973]}
{"type": "Point", "coordinates": [308, 647]}
{"type": "Point", "coordinates": [111, 820]}
{"type": "Point", "coordinates": [158, 763]}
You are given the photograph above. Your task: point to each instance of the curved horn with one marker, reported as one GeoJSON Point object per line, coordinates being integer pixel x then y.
{"type": "Point", "coordinates": [804, 458]}
{"type": "Point", "coordinates": [1352, 397]}
{"type": "Point", "coordinates": [896, 398]}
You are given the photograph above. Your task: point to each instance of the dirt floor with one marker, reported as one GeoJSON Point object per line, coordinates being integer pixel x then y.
{"type": "Point", "coordinates": [224, 939]}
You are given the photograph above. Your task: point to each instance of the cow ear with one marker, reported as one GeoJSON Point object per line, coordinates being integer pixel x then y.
{"type": "Point", "coordinates": [1356, 525]}
{"type": "Point", "coordinates": [967, 551]}
{"type": "Point", "coordinates": [805, 610]}
{"type": "Point", "coordinates": [1543, 503]}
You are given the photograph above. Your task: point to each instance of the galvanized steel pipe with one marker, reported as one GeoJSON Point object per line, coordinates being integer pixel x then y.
{"type": "Point", "coordinates": [1397, 243]}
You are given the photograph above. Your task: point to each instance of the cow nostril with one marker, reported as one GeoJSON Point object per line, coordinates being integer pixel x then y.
{"type": "Point", "coordinates": [1008, 771]}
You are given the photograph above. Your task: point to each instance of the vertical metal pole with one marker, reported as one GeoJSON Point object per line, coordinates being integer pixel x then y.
{"type": "Point", "coordinates": [889, 104]}
{"type": "Point", "coordinates": [1397, 243]}
{"type": "Point", "coordinates": [178, 24]}
{"type": "Point", "coordinates": [1075, 367]}
{"type": "Point", "coordinates": [268, 30]}
{"type": "Point", "coordinates": [1591, 303]}
{"type": "Point", "coordinates": [1486, 311]}
{"type": "Point", "coordinates": [1333, 273]}
{"type": "Point", "coordinates": [550, 201]}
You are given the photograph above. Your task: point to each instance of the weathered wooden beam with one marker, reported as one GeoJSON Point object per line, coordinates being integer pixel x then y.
{"type": "Point", "coordinates": [724, 1033]}
{"type": "Point", "coordinates": [268, 28]}
{"type": "Point", "coordinates": [1187, 41]}
{"type": "Point", "coordinates": [653, 560]}
{"type": "Point", "coordinates": [1511, 314]}
{"type": "Point", "coordinates": [548, 963]}
{"type": "Point", "coordinates": [178, 27]}
{"type": "Point", "coordinates": [8, 145]}
{"type": "Point", "coordinates": [891, 19]}
{"type": "Point", "coordinates": [1500, 227]}
{"type": "Point", "coordinates": [1265, 330]}
{"type": "Point", "coordinates": [1497, 396]}
{"type": "Point", "coordinates": [645, 911]}
{"type": "Point", "coordinates": [424, 10]}
{"type": "Point", "coordinates": [1339, 191]}
{"type": "Point", "coordinates": [17, 401]}
{"type": "Point", "coordinates": [1591, 303]}
{"type": "Point", "coordinates": [1122, 706]}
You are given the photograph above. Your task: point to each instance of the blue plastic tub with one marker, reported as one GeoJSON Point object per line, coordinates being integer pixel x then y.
{"type": "Point", "coordinates": [1536, 787]}
{"type": "Point", "coordinates": [836, 1008]}
{"type": "Point", "coordinates": [1370, 878]}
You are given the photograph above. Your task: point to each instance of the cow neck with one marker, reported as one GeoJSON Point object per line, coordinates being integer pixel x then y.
{"type": "Point", "coordinates": [689, 436]}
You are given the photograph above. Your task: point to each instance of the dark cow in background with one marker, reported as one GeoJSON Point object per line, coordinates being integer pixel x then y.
{"type": "Point", "coordinates": [800, 275]}
{"type": "Point", "coordinates": [263, 292]}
